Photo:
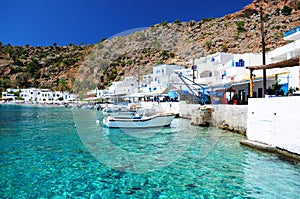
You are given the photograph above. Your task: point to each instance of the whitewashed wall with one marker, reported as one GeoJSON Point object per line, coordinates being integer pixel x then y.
{"type": "Point", "coordinates": [172, 107]}
{"type": "Point", "coordinates": [275, 121]}
{"type": "Point", "coordinates": [181, 108]}
{"type": "Point", "coordinates": [232, 116]}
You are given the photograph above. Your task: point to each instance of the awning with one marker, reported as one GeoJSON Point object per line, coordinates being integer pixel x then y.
{"type": "Point", "coordinates": [282, 64]}
{"type": "Point", "coordinates": [137, 95]}
{"type": "Point", "coordinates": [173, 94]}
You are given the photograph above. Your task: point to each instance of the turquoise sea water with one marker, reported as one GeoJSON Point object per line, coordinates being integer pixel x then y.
{"type": "Point", "coordinates": [42, 155]}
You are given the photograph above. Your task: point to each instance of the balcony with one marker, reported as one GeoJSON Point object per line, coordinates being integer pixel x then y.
{"type": "Point", "coordinates": [293, 34]}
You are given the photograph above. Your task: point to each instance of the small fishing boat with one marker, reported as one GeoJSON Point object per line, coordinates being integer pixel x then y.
{"type": "Point", "coordinates": [142, 118]}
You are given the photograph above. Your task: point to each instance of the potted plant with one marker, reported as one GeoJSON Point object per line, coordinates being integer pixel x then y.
{"type": "Point", "coordinates": [291, 91]}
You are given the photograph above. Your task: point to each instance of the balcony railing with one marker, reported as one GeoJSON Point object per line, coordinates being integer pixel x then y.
{"type": "Point", "coordinates": [292, 31]}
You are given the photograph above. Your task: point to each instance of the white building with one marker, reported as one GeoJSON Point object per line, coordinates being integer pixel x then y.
{"type": "Point", "coordinates": [39, 95]}
{"type": "Point", "coordinates": [45, 95]}
{"type": "Point", "coordinates": [63, 96]}
{"type": "Point", "coordinates": [146, 80]}
{"type": "Point", "coordinates": [160, 79]}
{"type": "Point", "coordinates": [222, 70]}
{"type": "Point", "coordinates": [127, 86]}
{"type": "Point", "coordinates": [29, 94]}
{"type": "Point", "coordinates": [279, 127]}
{"type": "Point", "coordinates": [102, 94]}
{"type": "Point", "coordinates": [209, 69]}
{"type": "Point", "coordinates": [163, 76]}
{"type": "Point", "coordinates": [12, 90]}
{"type": "Point", "coordinates": [8, 96]}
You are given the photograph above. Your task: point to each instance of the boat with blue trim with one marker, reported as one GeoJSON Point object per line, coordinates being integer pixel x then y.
{"type": "Point", "coordinates": [142, 118]}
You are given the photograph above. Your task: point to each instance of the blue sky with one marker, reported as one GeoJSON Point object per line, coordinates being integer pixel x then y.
{"type": "Point", "coordinates": [44, 22]}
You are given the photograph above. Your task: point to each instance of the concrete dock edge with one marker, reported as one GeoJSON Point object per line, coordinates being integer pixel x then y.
{"type": "Point", "coordinates": [271, 149]}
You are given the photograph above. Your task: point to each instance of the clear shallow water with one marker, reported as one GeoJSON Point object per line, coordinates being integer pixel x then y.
{"type": "Point", "coordinates": [42, 155]}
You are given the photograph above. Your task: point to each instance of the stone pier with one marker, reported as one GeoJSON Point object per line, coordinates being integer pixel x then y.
{"type": "Point", "coordinates": [230, 117]}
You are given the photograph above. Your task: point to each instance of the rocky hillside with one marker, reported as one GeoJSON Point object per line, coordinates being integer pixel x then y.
{"type": "Point", "coordinates": [178, 42]}
{"type": "Point", "coordinates": [171, 43]}
{"type": "Point", "coordinates": [41, 67]}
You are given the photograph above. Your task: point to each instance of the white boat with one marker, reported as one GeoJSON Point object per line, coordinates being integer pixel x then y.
{"type": "Point", "coordinates": [143, 118]}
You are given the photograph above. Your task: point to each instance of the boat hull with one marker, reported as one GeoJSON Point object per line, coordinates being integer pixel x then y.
{"type": "Point", "coordinates": [146, 122]}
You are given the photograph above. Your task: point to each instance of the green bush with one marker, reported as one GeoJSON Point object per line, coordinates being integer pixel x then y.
{"type": "Point", "coordinates": [112, 77]}
{"type": "Point", "coordinates": [20, 98]}
{"type": "Point", "coordinates": [33, 66]}
{"type": "Point", "coordinates": [208, 45]}
{"type": "Point", "coordinates": [69, 61]}
{"type": "Point", "coordinates": [266, 17]}
{"type": "Point", "coordinates": [113, 70]}
{"type": "Point", "coordinates": [164, 23]}
{"type": "Point", "coordinates": [42, 55]}
{"type": "Point", "coordinates": [24, 52]}
{"type": "Point", "coordinates": [277, 27]}
{"type": "Point", "coordinates": [129, 62]}
{"type": "Point", "coordinates": [208, 19]}
{"type": "Point", "coordinates": [286, 10]}
{"type": "Point", "coordinates": [164, 53]}
{"type": "Point", "coordinates": [224, 48]}
{"type": "Point", "coordinates": [240, 26]}
{"type": "Point", "coordinates": [177, 21]}
{"type": "Point", "coordinates": [298, 5]}
{"type": "Point", "coordinates": [227, 24]}
{"type": "Point", "coordinates": [159, 63]}
{"type": "Point", "coordinates": [277, 11]}
{"type": "Point", "coordinates": [36, 75]}
{"type": "Point", "coordinates": [171, 54]}
{"type": "Point", "coordinates": [4, 83]}
{"type": "Point", "coordinates": [100, 45]}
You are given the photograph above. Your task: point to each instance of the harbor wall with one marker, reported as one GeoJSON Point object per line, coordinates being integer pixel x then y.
{"type": "Point", "coordinates": [182, 108]}
{"type": "Point", "coordinates": [275, 121]}
{"type": "Point", "coordinates": [230, 117]}
{"type": "Point", "coordinates": [168, 107]}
